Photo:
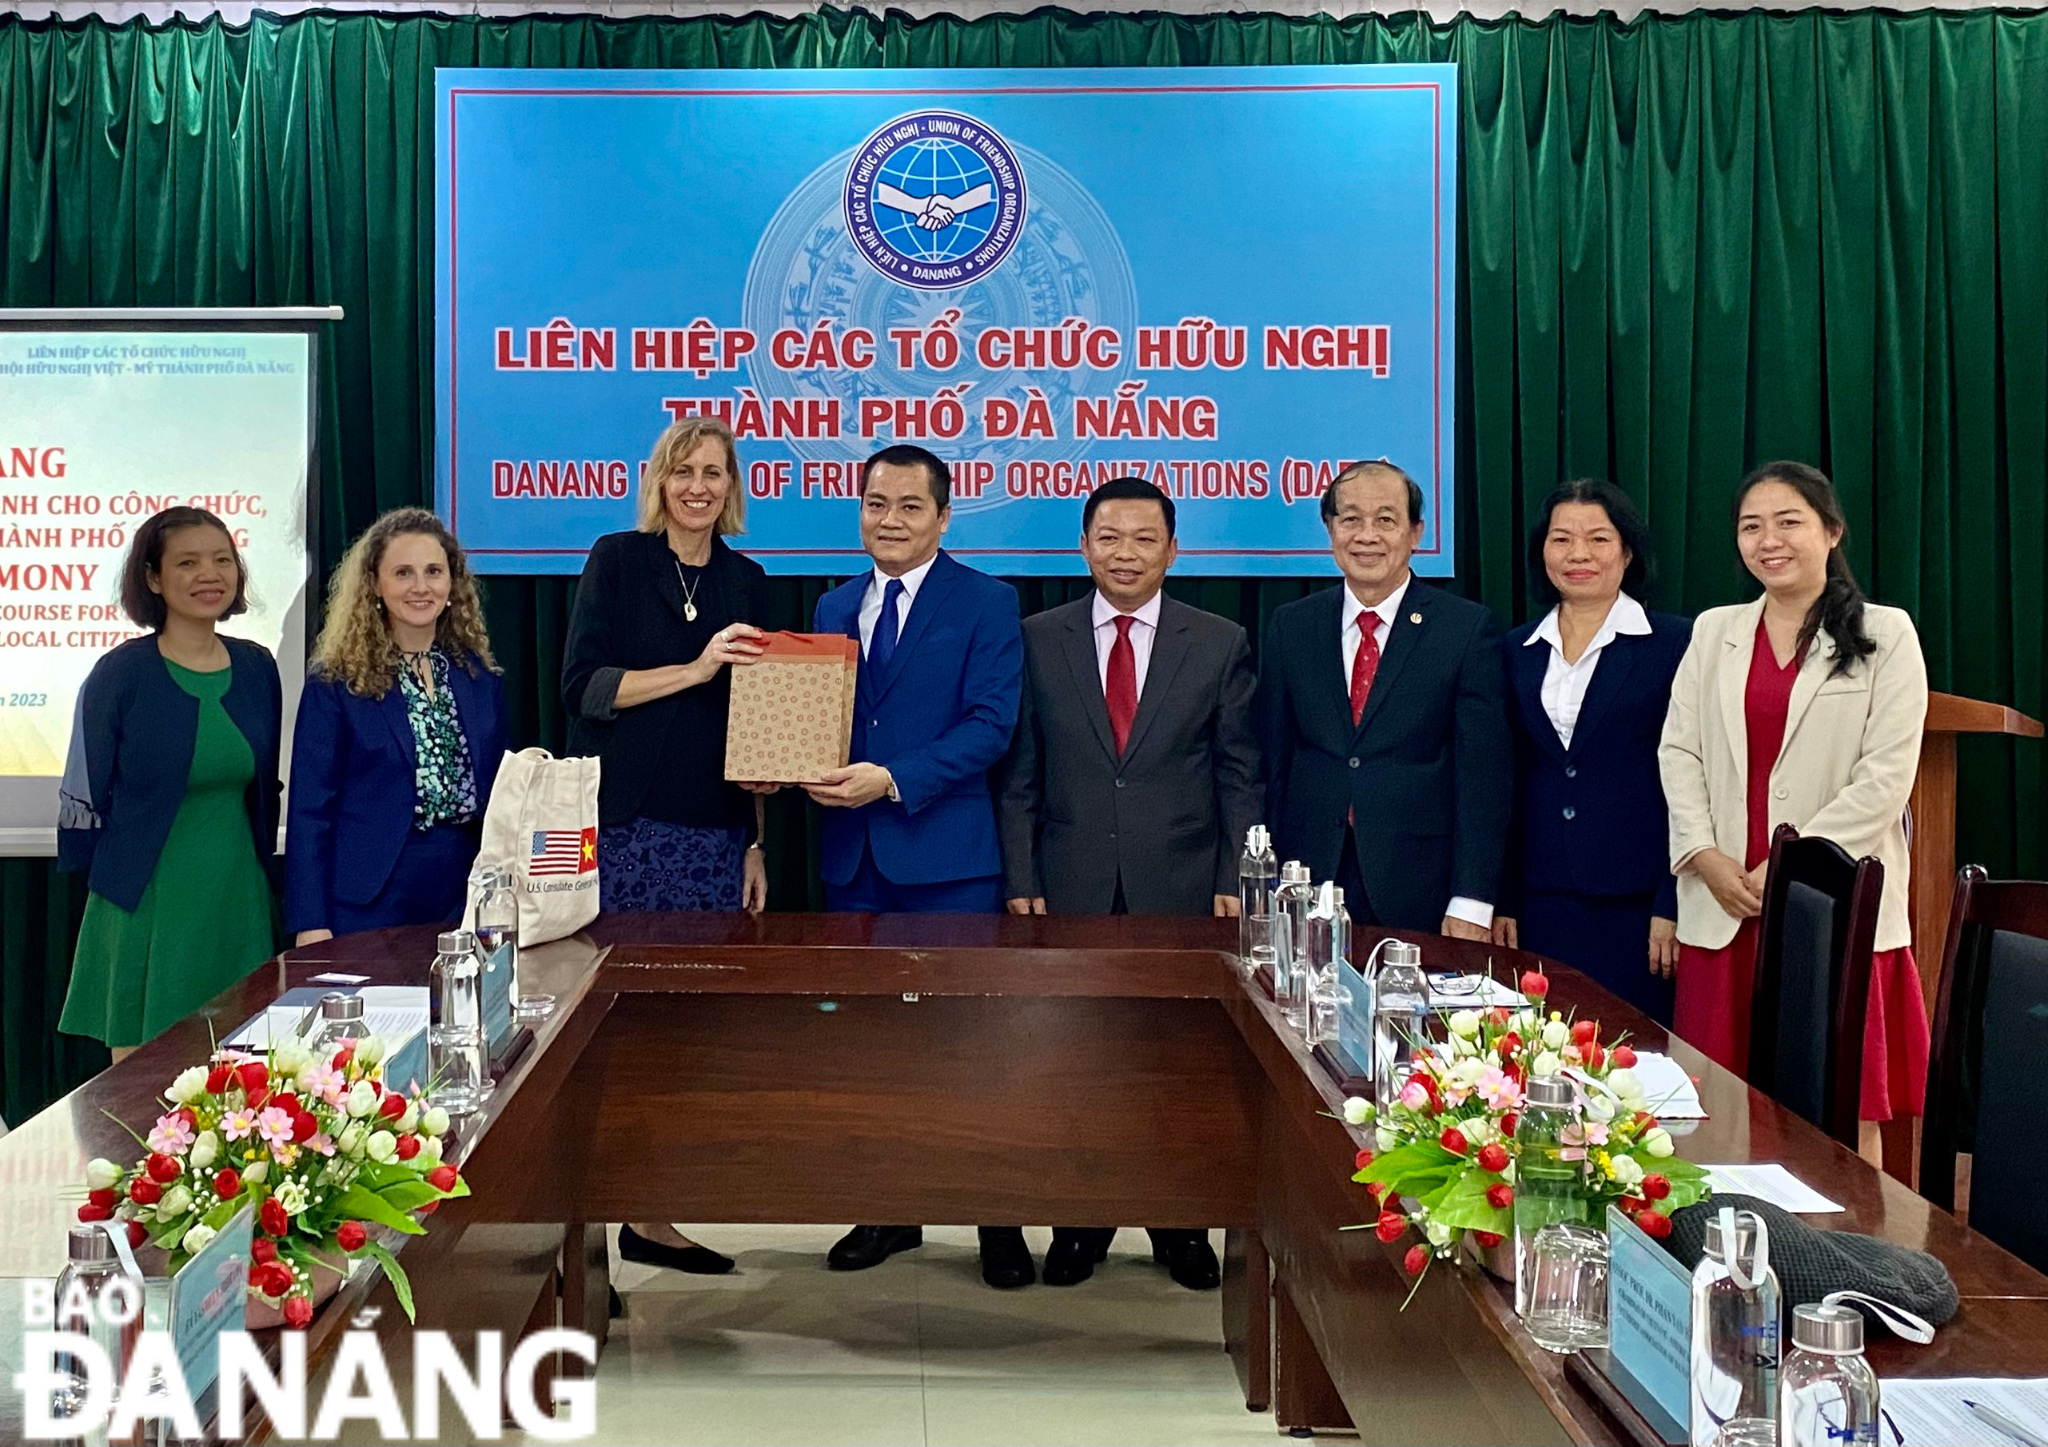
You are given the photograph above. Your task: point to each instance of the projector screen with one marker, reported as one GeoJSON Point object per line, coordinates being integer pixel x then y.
{"type": "Point", "coordinates": [106, 419]}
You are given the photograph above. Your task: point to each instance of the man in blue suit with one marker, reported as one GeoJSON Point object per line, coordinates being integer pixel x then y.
{"type": "Point", "coordinates": [909, 825]}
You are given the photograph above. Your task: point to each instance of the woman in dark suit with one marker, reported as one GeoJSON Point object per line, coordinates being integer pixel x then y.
{"type": "Point", "coordinates": [399, 735]}
{"type": "Point", "coordinates": [169, 796]}
{"type": "Point", "coordinates": [1590, 683]}
{"type": "Point", "coordinates": [660, 613]}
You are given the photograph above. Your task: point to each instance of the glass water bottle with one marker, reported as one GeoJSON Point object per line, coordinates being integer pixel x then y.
{"type": "Point", "coordinates": [1291, 902]}
{"type": "Point", "coordinates": [1734, 1330]}
{"type": "Point", "coordinates": [1255, 873]}
{"type": "Point", "coordinates": [1330, 931]}
{"type": "Point", "coordinates": [1827, 1393]}
{"type": "Point", "coordinates": [1547, 1184]}
{"type": "Point", "coordinates": [1400, 1015]}
{"type": "Point", "coordinates": [455, 1026]}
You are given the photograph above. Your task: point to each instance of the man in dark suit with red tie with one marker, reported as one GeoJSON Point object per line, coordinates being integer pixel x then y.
{"type": "Point", "coordinates": [1382, 713]}
{"type": "Point", "coordinates": [1134, 774]}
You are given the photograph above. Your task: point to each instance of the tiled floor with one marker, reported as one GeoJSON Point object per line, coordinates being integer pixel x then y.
{"type": "Point", "coordinates": [915, 1351]}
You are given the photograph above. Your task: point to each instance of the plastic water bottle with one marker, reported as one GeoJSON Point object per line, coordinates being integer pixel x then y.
{"type": "Point", "coordinates": [1255, 873]}
{"type": "Point", "coordinates": [1329, 940]}
{"type": "Point", "coordinates": [1734, 1331]}
{"type": "Point", "coordinates": [1291, 902]}
{"type": "Point", "coordinates": [455, 1027]}
{"type": "Point", "coordinates": [1400, 1015]}
{"type": "Point", "coordinates": [1827, 1393]}
{"type": "Point", "coordinates": [1547, 1185]}
{"type": "Point", "coordinates": [497, 936]}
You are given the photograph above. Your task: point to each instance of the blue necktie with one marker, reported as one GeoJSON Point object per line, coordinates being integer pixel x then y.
{"type": "Point", "coordinates": [882, 646]}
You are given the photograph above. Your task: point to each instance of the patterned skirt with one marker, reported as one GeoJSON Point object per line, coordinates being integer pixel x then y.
{"type": "Point", "coordinates": [645, 864]}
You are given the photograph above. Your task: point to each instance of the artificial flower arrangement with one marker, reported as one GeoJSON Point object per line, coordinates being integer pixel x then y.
{"type": "Point", "coordinates": [1445, 1146]}
{"type": "Point", "coordinates": [321, 1149]}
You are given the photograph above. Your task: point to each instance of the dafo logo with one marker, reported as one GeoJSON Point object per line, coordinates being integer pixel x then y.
{"type": "Point", "coordinates": [934, 200]}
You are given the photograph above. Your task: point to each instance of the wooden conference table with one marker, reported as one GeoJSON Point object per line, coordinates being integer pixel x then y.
{"type": "Point", "coordinates": [989, 1070]}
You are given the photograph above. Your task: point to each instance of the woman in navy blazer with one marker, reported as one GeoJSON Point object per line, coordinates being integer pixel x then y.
{"type": "Point", "coordinates": [399, 735]}
{"type": "Point", "coordinates": [1591, 681]}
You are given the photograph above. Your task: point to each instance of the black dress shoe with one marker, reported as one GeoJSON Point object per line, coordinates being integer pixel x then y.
{"type": "Point", "coordinates": [1189, 1261]}
{"type": "Point", "coordinates": [1070, 1261]}
{"type": "Point", "coordinates": [866, 1246]}
{"type": "Point", "coordinates": [1005, 1259]}
{"type": "Point", "coordinates": [697, 1260]}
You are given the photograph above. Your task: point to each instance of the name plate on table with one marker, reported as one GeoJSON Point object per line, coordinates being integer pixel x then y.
{"type": "Point", "coordinates": [207, 1298]}
{"type": "Point", "coordinates": [1649, 1319]}
{"type": "Point", "coordinates": [496, 994]}
{"type": "Point", "coordinates": [1354, 1021]}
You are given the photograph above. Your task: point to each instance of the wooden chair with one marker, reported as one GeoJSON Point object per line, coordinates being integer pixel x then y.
{"type": "Point", "coordinates": [1812, 990]}
{"type": "Point", "coordinates": [1987, 1080]}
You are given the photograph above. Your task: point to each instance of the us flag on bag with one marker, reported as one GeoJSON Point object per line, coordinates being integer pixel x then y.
{"type": "Point", "coordinates": [563, 851]}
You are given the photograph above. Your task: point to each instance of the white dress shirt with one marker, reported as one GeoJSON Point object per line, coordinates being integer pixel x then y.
{"type": "Point", "coordinates": [1144, 626]}
{"type": "Point", "coordinates": [871, 605]}
{"type": "Point", "coordinates": [1565, 684]}
{"type": "Point", "coordinates": [1472, 911]}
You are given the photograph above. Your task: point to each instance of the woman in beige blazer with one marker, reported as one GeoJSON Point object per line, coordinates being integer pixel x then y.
{"type": "Point", "coordinates": [1803, 708]}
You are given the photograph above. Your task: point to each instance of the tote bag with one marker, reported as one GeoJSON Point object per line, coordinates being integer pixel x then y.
{"type": "Point", "coordinates": [541, 824]}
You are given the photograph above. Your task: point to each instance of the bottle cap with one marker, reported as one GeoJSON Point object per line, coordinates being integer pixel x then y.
{"type": "Point", "coordinates": [337, 1006]}
{"type": "Point", "coordinates": [456, 942]}
{"type": "Point", "coordinates": [1400, 952]}
{"type": "Point", "coordinates": [1714, 1242]}
{"type": "Point", "coordinates": [1295, 872]}
{"type": "Point", "coordinates": [1551, 1090]}
{"type": "Point", "coordinates": [90, 1246]}
{"type": "Point", "coordinates": [1257, 840]}
{"type": "Point", "coordinates": [1834, 1329]}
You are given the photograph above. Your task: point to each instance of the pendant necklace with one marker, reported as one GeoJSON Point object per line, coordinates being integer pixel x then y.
{"type": "Point", "coordinates": [689, 593]}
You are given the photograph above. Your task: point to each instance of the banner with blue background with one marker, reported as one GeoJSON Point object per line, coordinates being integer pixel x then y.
{"type": "Point", "coordinates": [1229, 281]}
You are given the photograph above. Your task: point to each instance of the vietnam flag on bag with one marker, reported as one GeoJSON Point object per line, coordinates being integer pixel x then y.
{"type": "Point", "coordinates": [792, 709]}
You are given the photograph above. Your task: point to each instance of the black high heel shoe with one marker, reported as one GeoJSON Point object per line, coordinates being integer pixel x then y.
{"type": "Point", "coordinates": [696, 1260]}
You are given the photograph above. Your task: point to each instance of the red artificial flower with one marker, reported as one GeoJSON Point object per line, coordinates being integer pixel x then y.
{"type": "Point", "coordinates": [1493, 1156]}
{"type": "Point", "coordinates": [92, 1211]}
{"type": "Point", "coordinates": [377, 1087]}
{"type": "Point", "coordinates": [1624, 1058]}
{"type": "Point", "coordinates": [1358, 1162]}
{"type": "Point", "coordinates": [136, 1234]}
{"type": "Point", "coordinates": [1487, 1239]}
{"type": "Point", "coordinates": [1416, 1259]}
{"type": "Point", "coordinates": [343, 1056]}
{"type": "Point", "coordinates": [350, 1236]}
{"type": "Point", "coordinates": [273, 1278]}
{"type": "Point", "coordinates": [1593, 1056]}
{"type": "Point", "coordinates": [262, 1251]}
{"type": "Point", "coordinates": [252, 1075]}
{"type": "Point", "coordinates": [144, 1192]}
{"type": "Point", "coordinates": [429, 1209]}
{"type": "Point", "coordinates": [1656, 1188]}
{"type": "Point", "coordinates": [1500, 1195]}
{"type": "Point", "coordinates": [1508, 1044]}
{"type": "Point", "coordinates": [104, 1196]}
{"type": "Point", "coordinates": [1453, 1140]}
{"type": "Point", "coordinates": [272, 1218]}
{"type": "Point", "coordinates": [217, 1078]}
{"type": "Point", "coordinates": [1508, 1123]}
{"type": "Point", "coordinates": [409, 1146]}
{"type": "Point", "coordinates": [304, 1126]}
{"type": "Point", "coordinates": [164, 1169]}
{"type": "Point", "coordinates": [1422, 1078]}
{"type": "Point", "coordinates": [298, 1311]}
{"type": "Point", "coordinates": [393, 1106]}
{"type": "Point", "coordinates": [1630, 1205]}
{"type": "Point", "coordinates": [1391, 1227]}
{"type": "Point", "coordinates": [1643, 1120]}
{"type": "Point", "coordinates": [227, 1183]}
{"type": "Point", "coordinates": [1585, 1032]}
{"type": "Point", "coordinates": [1654, 1223]}
{"type": "Point", "coordinates": [1535, 984]}
{"type": "Point", "coordinates": [442, 1178]}
{"type": "Point", "coordinates": [1497, 1016]}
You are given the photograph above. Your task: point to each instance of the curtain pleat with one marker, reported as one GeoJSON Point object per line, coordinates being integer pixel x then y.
{"type": "Point", "coordinates": [1686, 244]}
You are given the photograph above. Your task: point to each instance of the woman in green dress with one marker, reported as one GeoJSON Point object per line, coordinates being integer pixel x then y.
{"type": "Point", "coordinates": [170, 792]}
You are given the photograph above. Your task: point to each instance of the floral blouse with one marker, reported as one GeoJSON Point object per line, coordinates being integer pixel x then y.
{"type": "Point", "coordinates": [444, 785]}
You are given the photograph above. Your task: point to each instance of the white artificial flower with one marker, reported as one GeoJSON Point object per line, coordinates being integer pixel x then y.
{"type": "Point", "coordinates": [435, 1121]}
{"type": "Point", "coordinates": [1478, 1131]}
{"type": "Point", "coordinates": [1556, 1035]}
{"type": "Point", "coordinates": [188, 1087]}
{"type": "Point", "coordinates": [1545, 1063]}
{"type": "Point", "coordinates": [1627, 1087]}
{"type": "Point", "coordinates": [1467, 1072]}
{"type": "Point", "coordinates": [1625, 1169]}
{"type": "Point", "coordinates": [1465, 1023]}
{"type": "Point", "coordinates": [1385, 1138]}
{"type": "Point", "coordinates": [1508, 1171]}
{"type": "Point", "coordinates": [1357, 1111]}
{"type": "Point", "coordinates": [101, 1174]}
{"type": "Point", "coordinates": [1658, 1142]}
{"type": "Point", "coordinates": [382, 1146]}
{"type": "Point", "coordinates": [255, 1171]}
{"type": "Point", "coordinates": [351, 1142]}
{"type": "Point", "coordinates": [291, 1059]}
{"type": "Point", "coordinates": [369, 1050]}
{"type": "Point", "coordinates": [292, 1196]}
{"type": "Point", "coordinates": [1438, 1233]}
{"type": "Point", "coordinates": [176, 1202]}
{"type": "Point", "coordinates": [1460, 1046]}
{"type": "Point", "coordinates": [362, 1099]}
{"type": "Point", "coordinates": [1527, 1023]}
{"type": "Point", "coordinates": [430, 1153]}
{"type": "Point", "coordinates": [1599, 1106]}
{"type": "Point", "coordinates": [411, 1119]}
{"type": "Point", "coordinates": [205, 1150]}
{"type": "Point", "coordinates": [196, 1239]}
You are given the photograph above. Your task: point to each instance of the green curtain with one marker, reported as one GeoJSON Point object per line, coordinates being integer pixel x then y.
{"type": "Point", "coordinates": [1686, 244]}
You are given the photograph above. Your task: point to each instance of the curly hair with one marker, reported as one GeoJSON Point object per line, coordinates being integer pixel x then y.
{"type": "Point", "coordinates": [355, 644]}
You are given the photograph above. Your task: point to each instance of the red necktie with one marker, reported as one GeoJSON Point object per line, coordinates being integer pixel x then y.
{"type": "Point", "coordinates": [1363, 666]}
{"type": "Point", "coordinates": [1120, 690]}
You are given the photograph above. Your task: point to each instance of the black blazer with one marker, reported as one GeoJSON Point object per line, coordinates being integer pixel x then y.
{"type": "Point", "coordinates": [1590, 819]}
{"type": "Point", "coordinates": [1170, 814]}
{"type": "Point", "coordinates": [131, 750]}
{"type": "Point", "coordinates": [629, 616]}
{"type": "Point", "coordinates": [1427, 772]}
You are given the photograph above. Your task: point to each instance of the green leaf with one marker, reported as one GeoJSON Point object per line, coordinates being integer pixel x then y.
{"type": "Point", "coordinates": [1462, 1206]}
{"type": "Point", "coordinates": [1403, 1167]}
{"type": "Point", "coordinates": [361, 1205]}
{"type": "Point", "coordinates": [401, 1285]}
{"type": "Point", "coordinates": [408, 1195]}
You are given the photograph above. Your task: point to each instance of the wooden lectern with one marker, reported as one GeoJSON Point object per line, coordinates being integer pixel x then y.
{"type": "Point", "coordinates": [1933, 808]}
